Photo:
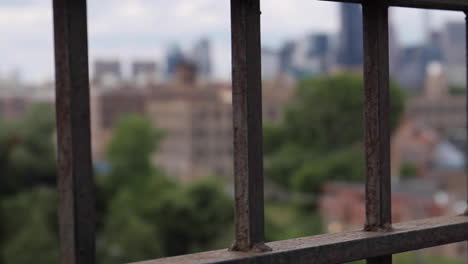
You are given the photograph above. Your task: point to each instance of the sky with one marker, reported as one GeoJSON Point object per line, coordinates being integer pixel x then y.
{"type": "Point", "coordinates": [133, 29]}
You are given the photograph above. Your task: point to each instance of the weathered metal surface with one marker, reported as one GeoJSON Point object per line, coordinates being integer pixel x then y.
{"type": "Point", "coordinates": [247, 120]}
{"type": "Point", "coordinates": [75, 177]}
{"type": "Point", "coordinates": [341, 247]}
{"type": "Point", "coordinates": [466, 115]}
{"type": "Point", "coordinates": [456, 5]}
{"type": "Point", "coordinates": [377, 121]}
{"type": "Point", "coordinates": [377, 117]}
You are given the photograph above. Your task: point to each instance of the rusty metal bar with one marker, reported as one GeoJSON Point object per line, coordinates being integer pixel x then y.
{"type": "Point", "coordinates": [341, 247]}
{"type": "Point", "coordinates": [377, 120]}
{"type": "Point", "coordinates": [75, 175]}
{"type": "Point", "coordinates": [466, 118]}
{"type": "Point", "coordinates": [466, 98]}
{"type": "Point", "coordinates": [455, 5]}
{"type": "Point", "coordinates": [377, 116]}
{"type": "Point", "coordinates": [247, 123]}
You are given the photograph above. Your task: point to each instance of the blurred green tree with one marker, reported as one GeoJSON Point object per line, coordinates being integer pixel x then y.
{"type": "Point", "coordinates": [319, 136]}
{"type": "Point", "coordinates": [164, 219]}
{"type": "Point", "coordinates": [27, 155]}
{"type": "Point", "coordinates": [129, 151]}
{"type": "Point", "coordinates": [30, 227]}
{"type": "Point", "coordinates": [408, 170]}
{"type": "Point", "coordinates": [149, 215]}
{"type": "Point", "coordinates": [27, 161]}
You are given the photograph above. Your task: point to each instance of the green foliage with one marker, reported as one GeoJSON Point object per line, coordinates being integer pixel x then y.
{"type": "Point", "coordinates": [284, 221]}
{"type": "Point", "coordinates": [29, 221]}
{"type": "Point", "coordinates": [147, 214]}
{"type": "Point", "coordinates": [194, 217]}
{"type": "Point", "coordinates": [319, 136]}
{"type": "Point", "coordinates": [408, 170]}
{"type": "Point", "coordinates": [143, 213]}
{"type": "Point", "coordinates": [457, 90]}
{"type": "Point", "coordinates": [343, 165]}
{"type": "Point", "coordinates": [172, 220]}
{"type": "Point", "coordinates": [27, 155]}
{"type": "Point", "coordinates": [129, 152]}
{"type": "Point", "coordinates": [27, 210]}
{"type": "Point", "coordinates": [414, 257]}
{"type": "Point", "coordinates": [128, 235]}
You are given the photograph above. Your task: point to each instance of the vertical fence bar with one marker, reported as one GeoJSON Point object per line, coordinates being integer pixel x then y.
{"type": "Point", "coordinates": [75, 176]}
{"type": "Point", "coordinates": [247, 125]}
{"type": "Point", "coordinates": [466, 120]}
{"type": "Point", "coordinates": [377, 120]}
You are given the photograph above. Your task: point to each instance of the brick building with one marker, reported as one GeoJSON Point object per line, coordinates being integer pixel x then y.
{"type": "Point", "coordinates": [196, 116]}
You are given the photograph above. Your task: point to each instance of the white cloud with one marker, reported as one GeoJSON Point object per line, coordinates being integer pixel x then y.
{"type": "Point", "coordinates": [298, 16]}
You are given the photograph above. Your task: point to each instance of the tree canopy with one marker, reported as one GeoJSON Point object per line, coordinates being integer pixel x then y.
{"type": "Point", "coordinates": [142, 212]}
{"type": "Point", "coordinates": [147, 214]}
{"type": "Point", "coordinates": [27, 155]}
{"type": "Point", "coordinates": [320, 135]}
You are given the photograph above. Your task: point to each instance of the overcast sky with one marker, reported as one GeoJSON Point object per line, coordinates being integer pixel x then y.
{"type": "Point", "coordinates": [128, 29]}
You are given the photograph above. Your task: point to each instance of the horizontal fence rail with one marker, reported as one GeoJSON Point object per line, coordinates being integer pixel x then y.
{"type": "Point", "coordinates": [341, 247]}
{"type": "Point", "coordinates": [454, 5]}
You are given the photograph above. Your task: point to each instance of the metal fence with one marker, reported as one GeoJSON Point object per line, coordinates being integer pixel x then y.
{"type": "Point", "coordinates": [379, 238]}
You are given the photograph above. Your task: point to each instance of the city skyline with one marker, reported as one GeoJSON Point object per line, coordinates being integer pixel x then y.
{"type": "Point", "coordinates": [123, 32]}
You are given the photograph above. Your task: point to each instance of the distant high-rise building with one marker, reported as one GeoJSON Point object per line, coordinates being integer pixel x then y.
{"type": "Point", "coordinates": [411, 70]}
{"type": "Point", "coordinates": [319, 48]}
{"type": "Point", "coordinates": [319, 45]}
{"type": "Point", "coordinates": [144, 72]}
{"type": "Point", "coordinates": [433, 41]}
{"type": "Point", "coordinates": [434, 47]}
{"type": "Point", "coordinates": [270, 64]}
{"type": "Point", "coordinates": [413, 61]}
{"type": "Point", "coordinates": [306, 57]}
{"type": "Point", "coordinates": [286, 54]}
{"type": "Point", "coordinates": [143, 68]}
{"type": "Point", "coordinates": [453, 50]}
{"type": "Point", "coordinates": [107, 69]}
{"type": "Point", "coordinates": [202, 58]}
{"type": "Point", "coordinates": [394, 49]}
{"type": "Point", "coordinates": [173, 59]}
{"type": "Point", "coordinates": [350, 53]}
{"type": "Point", "coordinates": [454, 42]}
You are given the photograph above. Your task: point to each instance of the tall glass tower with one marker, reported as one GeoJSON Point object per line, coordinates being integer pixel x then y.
{"type": "Point", "coordinates": [350, 52]}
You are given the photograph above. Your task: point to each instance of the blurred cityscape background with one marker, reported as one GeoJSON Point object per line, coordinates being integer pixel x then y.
{"type": "Point", "coordinates": [162, 125]}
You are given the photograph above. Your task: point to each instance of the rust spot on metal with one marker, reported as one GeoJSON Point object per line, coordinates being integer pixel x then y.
{"type": "Point", "coordinates": [247, 124]}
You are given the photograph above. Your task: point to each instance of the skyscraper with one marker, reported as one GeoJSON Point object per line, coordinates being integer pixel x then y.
{"type": "Point", "coordinates": [318, 51]}
{"type": "Point", "coordinates": [319, 45]}
{"type": "Point", "coordinates": [350, 54]}
{"type": "Point", "coordinates": [453, 51]}
{"type": "Point", "coordinates": [144, 71]}
{"type": "Point", "coordinates": [202, 58]}
{"type": "Point", "coordinates": [143, 67]}
{"type": "Point", "coordinates": [104, 69]}
{"type": "Point", "coordinates": [270, 63]}
{"type": "Point", "coordinates": [173, 59]}
{"type": "Point", "coordinates": [286, 56]}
